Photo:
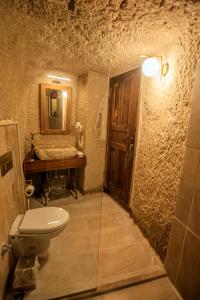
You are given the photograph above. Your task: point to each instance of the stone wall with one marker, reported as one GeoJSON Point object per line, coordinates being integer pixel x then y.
{"type": "Point", "coordinates": [37, 37]}
{"type": "Point", "coordinates": [25, 62]}
{"type": "Point", "coordinates": [93, 103]}
{"type": "Point", "coordinates": [165, 110]}
{"type": "Point", "coordinates": [11, 197]}
{"type": "Point", "coordinates": [24, 65]}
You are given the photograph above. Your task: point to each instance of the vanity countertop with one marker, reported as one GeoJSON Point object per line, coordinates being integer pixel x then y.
{"type": "Point", "coordinates": [34, 166]}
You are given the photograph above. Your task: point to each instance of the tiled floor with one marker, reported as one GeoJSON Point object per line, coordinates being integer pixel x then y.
{"type": "Point", "coordinates": [159, 289]}
{"type": "Point", "coordinates": [100, 247]}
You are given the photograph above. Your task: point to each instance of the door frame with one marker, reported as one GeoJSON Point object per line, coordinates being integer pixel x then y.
{"type": "Point", "coordinates": [135, 150]}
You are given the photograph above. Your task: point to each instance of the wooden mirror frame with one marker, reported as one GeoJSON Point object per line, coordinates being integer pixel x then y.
{"type": "Point", "coordinates": [44, 109]}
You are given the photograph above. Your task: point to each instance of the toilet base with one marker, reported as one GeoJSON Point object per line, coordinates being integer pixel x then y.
{"type": "Point", "coordinates": [27, 246]}
{"type": "Point", "coordinates": [24, 245]}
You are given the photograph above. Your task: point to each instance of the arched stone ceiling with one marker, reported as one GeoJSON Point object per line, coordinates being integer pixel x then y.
{"type": "Point", "coordinates": [85, 35]}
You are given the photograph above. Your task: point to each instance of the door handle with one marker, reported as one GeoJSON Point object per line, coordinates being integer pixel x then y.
{"type": "Point", "coordinates": [129, 139]}
{"type": "Point", "coordinates": [131, 147]}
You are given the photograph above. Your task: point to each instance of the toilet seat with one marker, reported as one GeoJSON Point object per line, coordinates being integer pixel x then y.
{"type": "Point", "coordinates": [43, 220]}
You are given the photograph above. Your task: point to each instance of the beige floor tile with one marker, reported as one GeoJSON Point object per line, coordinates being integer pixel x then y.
{"type": "Point", "coordinates": [76, 225]}
{"type": "Point", "coordinates": [72, 243]}
{"type": "Point", "coordinates": [95, 239]}
{"type": "Point", "coordinates": [93, 210]}
{"type": "Point", "coordinates": [121, 263]}
{"type": "Point", "coordinates": [40, 293]}
{"type": "Point", "coordinates": [116, 219]}
{"type": "Point", "coordinates": [108, 220]}
{"type": "Point", "coordinates": [75, 210]}
{"type": "Point", "coordinates": [90, 199]}
{"type": "Point", "coordinates": [74, 274]}
{"type": "Point", "coordinates": [160, 289]}
{"type": "Point", "coordinates": [96, 222]}
{"type": "Point", "coordinates": [119, 236]}
{"type": "Point", "coordinates": [110, 206]}
{"type": "Point", "coordinates": [84, 210]}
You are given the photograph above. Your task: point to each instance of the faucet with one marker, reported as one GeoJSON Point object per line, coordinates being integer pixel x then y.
{"type": "Point", "coordinates": [33, 144]}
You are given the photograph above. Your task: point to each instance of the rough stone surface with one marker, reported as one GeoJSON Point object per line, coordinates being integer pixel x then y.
{"type": "Point", "coordinates": [92, 103]}
{"type": "Point", "coordinates": [161, 145]}
{"type": "Point", "coordinates": [38, 36]}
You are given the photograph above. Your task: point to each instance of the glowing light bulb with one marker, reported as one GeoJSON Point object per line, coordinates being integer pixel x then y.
{"type": "Point", "coordinates": [64, 93]}
{"type": "Point", "coordinates": [150, 67]}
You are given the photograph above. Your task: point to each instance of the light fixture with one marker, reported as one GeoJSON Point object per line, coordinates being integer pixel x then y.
{"type": "Point", "coordinates": [57, 77]}
{"type": "Point", "coordinates": [152, 65]}
{"type": "Point", "coordinates": [64, 93]}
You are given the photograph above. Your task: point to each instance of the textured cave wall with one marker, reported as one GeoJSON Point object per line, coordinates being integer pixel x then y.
{"type": "Point", "coordinates": [92, 101]}
{"type": "Point", "coordinates": [26, 57]}
{"type": "Point", "coordinates": [37, 36]}
{"type": "Point", "coordinates": [25, 61]}
{"type": "Point", "coordinates": [95, 146]}
{"type": "Point", "coordinates": [164, 114]}
{"type": "Point", "coordinates": [22, 62]}
{"type": "Point", "coordinates": [13, 81]}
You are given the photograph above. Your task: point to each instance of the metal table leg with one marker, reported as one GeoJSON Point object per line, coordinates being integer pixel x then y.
{"type": "Point", "coordinates": [73, 185]}
{"type": "Point", "coordinates": [43, 184]}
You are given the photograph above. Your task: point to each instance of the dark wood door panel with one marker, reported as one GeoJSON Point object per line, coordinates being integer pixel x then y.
{"type": "Point", "coordinates": [118, 146]}
{"type": "Point", "coordinates": [123, 105]}
{"type": "Point", "coordinates": [118, 136]}
{"type": "Point", "coordinates": [113, 166]}
{"type": "Point", "coordinates": [121, 169]}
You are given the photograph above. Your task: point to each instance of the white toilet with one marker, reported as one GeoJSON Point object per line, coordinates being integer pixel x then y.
{"type": "Point", "coordinates": [31, 233]}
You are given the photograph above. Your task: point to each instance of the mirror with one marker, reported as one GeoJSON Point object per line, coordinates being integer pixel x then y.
{"type": "Point", "coordinates": [55, 109]}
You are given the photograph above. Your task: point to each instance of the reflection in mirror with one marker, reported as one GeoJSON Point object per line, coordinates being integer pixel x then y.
{"type": "Point", "coordinates": [55, 109]}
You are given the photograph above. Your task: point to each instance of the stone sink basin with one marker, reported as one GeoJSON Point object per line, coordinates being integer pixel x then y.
{"type": "Point", "coordinates": [50, 152]}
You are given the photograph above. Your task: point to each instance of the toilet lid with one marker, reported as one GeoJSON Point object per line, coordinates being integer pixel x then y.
{"type": "Point", "coordinates": [43, 220]}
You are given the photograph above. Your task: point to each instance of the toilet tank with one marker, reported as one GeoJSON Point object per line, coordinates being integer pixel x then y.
{"type": "Point", "coordinates": [13, 237]}
{"type": "Point", "coordinates": [15, 226]}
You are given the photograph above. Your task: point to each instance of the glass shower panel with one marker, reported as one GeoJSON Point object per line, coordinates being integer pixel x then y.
{"type": "Point", "coordinates": [74, 254]}
{"type": "Point", "coordinates": [72, 264]}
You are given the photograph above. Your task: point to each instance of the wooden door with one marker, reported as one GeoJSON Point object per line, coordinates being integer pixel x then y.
{"type": "Point", "coordinates": [123, 104]}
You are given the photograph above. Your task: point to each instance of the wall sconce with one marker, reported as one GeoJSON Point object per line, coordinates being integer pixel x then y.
{"type": "Point", "coordinates": [59, 78]}
{"type": "Point", "coordinates": [64, 93]}
{"type": "Point", "coordinates": [152, 65]}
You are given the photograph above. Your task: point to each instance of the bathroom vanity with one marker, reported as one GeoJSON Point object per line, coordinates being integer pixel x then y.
{"type": "Point", "coordinates": [44, 167]}
{"type": "Point", "coordinates": [38, 165]}
{"type": "Point", "coordinates": [54, 166]}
